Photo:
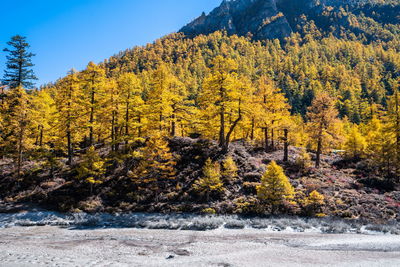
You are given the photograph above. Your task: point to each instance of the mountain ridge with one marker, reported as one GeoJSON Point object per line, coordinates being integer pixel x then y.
{"type": "Point", "coordinates": [260, 18]}
{"type": "Point", "coordinates": [278, 19]}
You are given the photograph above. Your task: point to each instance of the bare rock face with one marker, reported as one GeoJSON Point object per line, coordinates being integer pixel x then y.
{"type": "Point", "coordinates": [260, 18]}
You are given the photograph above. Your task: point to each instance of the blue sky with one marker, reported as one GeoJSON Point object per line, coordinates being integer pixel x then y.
{"type": "Point", "coordinates": [68, 34]}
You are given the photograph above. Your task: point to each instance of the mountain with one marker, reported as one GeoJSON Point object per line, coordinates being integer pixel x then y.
{"type": "Point", "coordinates": [270, 19]}
{"type": "Point", "coordinates": [259, 17]}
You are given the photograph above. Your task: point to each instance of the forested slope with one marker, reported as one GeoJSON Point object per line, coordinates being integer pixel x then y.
{"type": "Point", "coordinates": [197, 124]}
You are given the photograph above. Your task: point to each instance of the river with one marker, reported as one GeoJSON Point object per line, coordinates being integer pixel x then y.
{"type": "Point", "coordinates": [42, 238]}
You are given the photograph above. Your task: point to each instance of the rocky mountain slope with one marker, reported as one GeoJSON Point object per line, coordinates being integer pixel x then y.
{"type": "Point", "coordinates": [270, 19]}
{"type": "Point", "coordinates": [261, 18]}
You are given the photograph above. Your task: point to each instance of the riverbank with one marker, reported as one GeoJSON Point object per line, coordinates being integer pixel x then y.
{"type": "Point", "coordinates": [55, 246]}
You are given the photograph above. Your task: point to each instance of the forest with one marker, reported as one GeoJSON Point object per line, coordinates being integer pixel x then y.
{"type": "Point", "coordinates": [157, 126]}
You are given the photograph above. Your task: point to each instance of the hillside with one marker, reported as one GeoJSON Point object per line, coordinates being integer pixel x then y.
{"type": "Point", "coordinates": [279, 18]}
{"type": "Point", "coordinates": [347, 195]}
{"type": "Point", "coordinates": [210, 123]}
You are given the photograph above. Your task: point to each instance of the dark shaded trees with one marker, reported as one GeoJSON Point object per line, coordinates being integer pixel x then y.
{"type": "Point", "coordinates": [19, 64]}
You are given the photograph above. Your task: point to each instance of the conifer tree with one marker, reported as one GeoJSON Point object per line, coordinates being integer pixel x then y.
{"type": "Point", "coordinates": [323, 116]}
{"type": "Point", "coordinates": [92, 168]}
{"type": "Point", "coordinates": [132, 106]}
{"type": "Point", "coordinates": [303, 160]}
{"type": "Point", "coordinates": [393, 125]}
{"type": "Point", "coordinates": [167, 102]}
{"type": "Point", "coordinates": [230, 170]}
{"type": "Point", "coordinates": [156, 168]}
{"type": "Point", "coordinates": [380, 146]}
{"type": "Point", "coordinates": [273, 110]}
{"type": "Point", "coordinates": [211, 179]}
{"type": "Point", "coordinates": [275, 187]}
{"type": "Point", "coordinates": [221, 96]}
{"type": "Point", "coordinates": [69, 113]}
{"type": "Point", "coordinates": [355, 144]}
{"type": "Point", "coordinates": [159, 100]}
{"type": "Point", "coordinates": [43, 110]}
{"type": "Point", "coordinates": [94, 97]}
{"type": "Point", "coordinates": [16, 124]}
{"type": "Point", "coordinates": [313, 202]}
{"type": "Point", "coordinates": [112, 109]}
{"type": "Point", "coordinates": [19, 64]}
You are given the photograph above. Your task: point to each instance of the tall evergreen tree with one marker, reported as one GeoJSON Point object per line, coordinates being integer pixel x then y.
{"type": "Point", "coordinates": [19, 64]}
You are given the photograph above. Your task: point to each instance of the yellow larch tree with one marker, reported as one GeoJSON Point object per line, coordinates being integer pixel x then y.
{"type": "Point", "coordinates": [210, 181]}
{"type": "Point", "coordinates": [131, 106]}
{"type": "Point", "coordinates": [275, 187]}
{"type": "Point", "coordinates": [17, 123]}
{"type": "Point", "coordinates": [221, 98]}
{"type": "Point", "coordinates": [156, 167]}
{"type": "Point", "coordinates": [273, 110]}
{"type": "Point", "coordinates": [69, 114]}
{"type": "Point", "coordinates": [93, 85]}
{"type": "Point", "coordinates": [43, 112]}
{"type": "Point", "coordinates": [392, 120]}
{"type": "Point", "coordinates": [355, 144]}
{"type": "Point", "coordinates": [322, 117]}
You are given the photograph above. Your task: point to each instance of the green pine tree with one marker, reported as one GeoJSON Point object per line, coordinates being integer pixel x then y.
{"type": "Point", "coordinates": [19, 64]}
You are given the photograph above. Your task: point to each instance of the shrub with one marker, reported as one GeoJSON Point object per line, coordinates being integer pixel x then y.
{"type": "Point", "coordinates": [229, 169]}
{"type": "Point", "coordinates": [355, 144]}
{"type": "Point", "coordinates": [211, 180]}
{"type": "Point", "coordinates": [314, 202]}
{"type": "Point", "coordinates": [92, 168]}
{"type": "Point", "coordinates": [275, 187]}
{"type": "Point", "coordinates": [303, 161]}
{"type": "Point", "coordinates": [209, 211]}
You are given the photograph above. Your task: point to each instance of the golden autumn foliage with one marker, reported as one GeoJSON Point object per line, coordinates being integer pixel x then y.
{"type": "Point", "coordinates": [91, 168]}
{"type": "Point", "coordinates": [211, 179]}
{"type": "Point", "coordinates": [322, 117]}
{"type": "Point", "coordinates": [355, 144]}
{"type": "Point", "coordinates": [314, 202]}
{"type": "Point", "coordinates": [230, 170]}
{"type": "Point", "coordinates": [303, 161]}
{"type": "Point", "coordinates": [275, 187]}
{"type": "Point", "coordinates": [156, 164]}
{"type": "Point", "coordinates": [218, 87]}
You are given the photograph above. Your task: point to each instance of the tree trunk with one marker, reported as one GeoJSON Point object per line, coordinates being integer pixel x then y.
{"type": "Point", "coordinates": [140, 127]}
{"type": "Point", "coordinates": [69, 147]}
{"type": "Point", "coordinates": [232, 128]}
{"type": "Point", "coordinates": [286, 145]}
{"type": "Point", "coordinates": [319, 150]}
{"type": "Point", "coordinates": [252, 129]}
{"type": "Point", "coordinates": [273, 139]}
{"type": "Point", "coordinates": [20, 151]}
{"type": "Point", "coordinates": [266, 139]}
{"type": "Point", "coordinates": [222, 127]}
{"type": "Point", "coordinates": [41, 137]}
{"type": "Point", "coordinates": [173, 125]}
{"type": "Point", "coordinates": [91, 141]}
{"type": "Point", "coordinates": [113, 132]}
{"type": "Point", "coordinates": [127, 122]}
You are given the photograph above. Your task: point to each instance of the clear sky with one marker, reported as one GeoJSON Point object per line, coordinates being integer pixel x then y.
{"type": "Point", "coordinates": [67, 34]}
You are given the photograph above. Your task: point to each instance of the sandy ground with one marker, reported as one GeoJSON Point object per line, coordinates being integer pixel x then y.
{"type": "Point", "coordinates": [53, 246]}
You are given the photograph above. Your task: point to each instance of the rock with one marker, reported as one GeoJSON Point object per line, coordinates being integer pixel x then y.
{"type": "Point", "coordinates": [182, 252]}
{"type": "Point", "coordinates": [261, 18]}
